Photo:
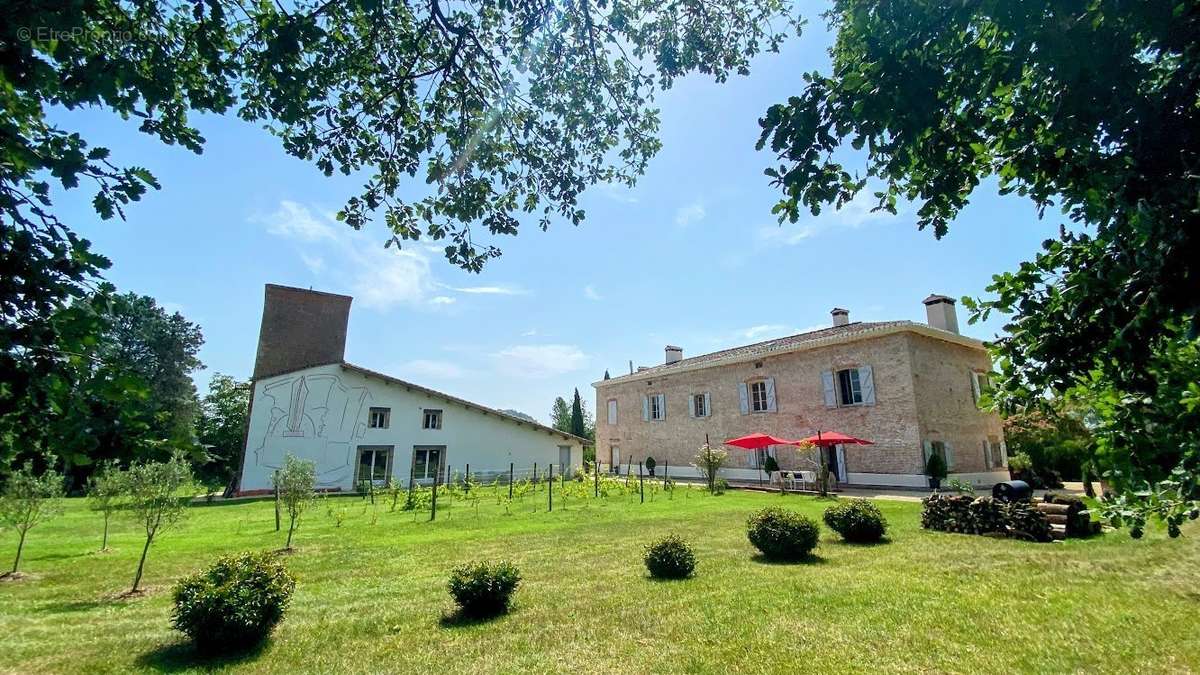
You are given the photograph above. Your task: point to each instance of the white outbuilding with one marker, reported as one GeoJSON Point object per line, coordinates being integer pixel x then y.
{"type": "Point", "coordinates": [358, 425]}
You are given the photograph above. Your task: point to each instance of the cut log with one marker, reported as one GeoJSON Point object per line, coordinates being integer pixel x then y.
{"type": "Point", "coordinates": [1058, 531]}
{"type": "Point", "coordinates": [1056, 509]}
{"type": "Point", "coordinates": [1058, 519]}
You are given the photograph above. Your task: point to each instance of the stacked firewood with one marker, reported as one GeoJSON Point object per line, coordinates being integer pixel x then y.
{"type": "Point", "coordinates": [1043, 521]}
{"type": "Point", "coordinates": [1068, 516]}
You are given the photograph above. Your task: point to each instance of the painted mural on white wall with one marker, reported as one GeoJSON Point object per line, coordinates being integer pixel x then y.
{"type": "Point", "coordinates": [315, 417]}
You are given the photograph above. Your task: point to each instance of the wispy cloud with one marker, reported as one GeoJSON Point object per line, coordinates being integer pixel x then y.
{"type": "Point", "coordinates": [490, 290]}
{"type": "Point", "coordinates": [617, 193]}
{"type": "Point", "coordinates": [539, 361]}
{"type": "Point", "coordinates": [378, 277]}
{"type": "Point", "coordinates": [590, 293]}
{"type": "Point", "coordinates": [427, 368]}
{"type": "Point", "coordinates": [443, 300]}
{"type": "Point", "coordinates": [854, 214]}
{"type": "Point", "coordinates": [529, 333]}
{"type": "Point", "coordinates": [692, 213]}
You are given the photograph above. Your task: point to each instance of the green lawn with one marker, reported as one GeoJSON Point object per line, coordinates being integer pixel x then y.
{"type": "Point", "coordinates": [370, 596]}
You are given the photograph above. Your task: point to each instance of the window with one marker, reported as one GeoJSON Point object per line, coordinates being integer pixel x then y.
{"type": "Point", "coordinates": [432, 419]}
{"type": "Point", "coordinates": [993, 453]}
{"type": "Point", "coordinates": [980, 385]}
{"type": "Point", "coordinates": [758, 396]}
{"type": "Point", "coordinates": [427, 461]}
{"type": "Point", "coordinates": [849, 387]}
{"type": "Point", "coordinates": [658, 406]}
{"type": "Point", "coordinates": [612, 411]}
{"type": "Point", "coordinates": [942, 449]}
{"type": "Point", "coordinates": [700, 405]}
{"type": "Point", "coordinates": [374, 463]}
{"type": "Point", "coordinates": [378, 418]}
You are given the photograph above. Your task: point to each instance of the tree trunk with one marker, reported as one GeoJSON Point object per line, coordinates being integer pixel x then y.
{"type": "Point", "coordinates": [104, 543]}
{"type": "Point", "coordinates": [137, 579]}
{"type": "Point", "coordinates": [291, 529]}
{"type": "Point", "coordinates": [20, 548]}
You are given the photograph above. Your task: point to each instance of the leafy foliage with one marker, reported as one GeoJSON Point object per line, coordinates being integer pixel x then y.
{"type": "Point", "coordinates": [670, 558]}
{"type": "Point", "coordinates": [483, 589]}
{"type": "Point", "coordinates": [27, 500]}
{"type": "Point", "coordinates": [155, 501]}
{"type": "Point", "coordinates": [781, 534]}
{"type": "Point", "coordinates": [1086, 107]}
{"type": "Point", "coordinates": [708, 462]}
{"type": "Point", "coordinates": [296, 482]}
{"type": "Point", "coordinates": [1054, 437]}
{"type": "Point", "coordinates": [221, 428]}
{"type": "Point", "coordinates": [857, 520]}
{"type": "Point", "coordinates": [234, 604]}
{"type": "Point", "coordinates": [106, 493]}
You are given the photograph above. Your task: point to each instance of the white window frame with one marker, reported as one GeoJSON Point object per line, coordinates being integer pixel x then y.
{"type": "Point", "coordinates": [434, 414]}
{"type": "Point", "coordinates": [387, 451]}
{"type": "Point", "coordinates": [658, 405]}
{"type": "Point", "coordinates": [854, 382]}
{"type": "Point", "coordinates": [758, 396]}
{"type": "Point", "coordinates": [379, 418]}
{"type": "Point", "coordinates": [425, 450]}
{"type": "Point", "coordinates": [698, 403]}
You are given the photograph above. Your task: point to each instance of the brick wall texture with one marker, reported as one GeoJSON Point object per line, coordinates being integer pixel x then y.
{"type": "Point", "coordinates": [300, 328]}
{"type": "Point", "coordinates": [923, 392]}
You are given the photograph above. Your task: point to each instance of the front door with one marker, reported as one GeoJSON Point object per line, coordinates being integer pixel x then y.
{"type": "Point", "coordinates": [836, 456]}
{"type": "Point", "coordinates": [564, 459]}
{"type": "Point", "coordinates": [615, 458]}
{"type": "Point", "coordinates": [427, 462]}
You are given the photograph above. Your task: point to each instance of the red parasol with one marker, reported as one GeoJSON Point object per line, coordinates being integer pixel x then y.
{"type": "Point", "coordinates": [833, 438]}
{"type": "Point", "coordinates": [755, 441]}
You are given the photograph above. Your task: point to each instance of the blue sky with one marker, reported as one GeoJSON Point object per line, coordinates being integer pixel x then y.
{"type": "Point", "coordinates": [692, 256]}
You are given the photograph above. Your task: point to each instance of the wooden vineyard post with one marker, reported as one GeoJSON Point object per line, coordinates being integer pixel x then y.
{"type": "Point", "coordinates": [535, 473]}
{"type": "Point", "coordinates": [641, 483]}
{"type": "Point", "coordinates": [467, 480]}
{"type": "Point", "coordinates": [433, 504]}
{"type": "Point", "coordinates": [597, 481]}
{"type": "Point", "coordinates": [666, 472]}
{"type": "Point", "coordinates": [276, 500]}
{"type": "Point", "coordinates": [510, 480]}
{"type": "Point", "coordinates": [550, 489]}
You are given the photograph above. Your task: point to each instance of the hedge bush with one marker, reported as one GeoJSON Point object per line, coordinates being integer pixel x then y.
{"type": "Point", "coordinates": [781, 534]}
{"type": "Point", "coordinates": [670, 558]}
{"type": "Point", "coordinates": [483, 589]}
{"type": "Point", "coordinates": [857, 520]}
{"type": "Point", "coordinates": [234, 604]}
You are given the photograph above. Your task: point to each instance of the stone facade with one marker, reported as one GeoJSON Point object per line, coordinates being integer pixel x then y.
{"type": "Point", "coordinates": [922, 394]}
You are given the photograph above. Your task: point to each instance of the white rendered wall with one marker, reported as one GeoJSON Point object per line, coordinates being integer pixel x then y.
{"type": "Point", "coordinates": [320, 414]}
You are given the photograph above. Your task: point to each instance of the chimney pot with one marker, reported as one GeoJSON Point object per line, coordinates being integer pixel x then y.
{"type": "Point", "coordinates": [841, 317]}
{"type": "Point", "coordinates": [941, 313]}
{"type": "Point", "coordinates": [674, 354]}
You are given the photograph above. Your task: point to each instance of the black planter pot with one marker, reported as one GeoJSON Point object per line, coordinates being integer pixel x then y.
{"type": "Point", "coordinates": [934, 483]}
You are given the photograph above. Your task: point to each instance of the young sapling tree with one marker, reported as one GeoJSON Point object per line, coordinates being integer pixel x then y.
{"type": "Point", "coordinates": [153, 490]}
{"type": "Point", "coordinates": [106, 494]}
{"type": "Point", "coordinates": [296, 482]}
{"type": "Point", "coordinates": [27, 500]}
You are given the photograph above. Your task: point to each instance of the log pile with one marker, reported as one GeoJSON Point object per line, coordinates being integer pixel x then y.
{"type": "Point", "coordinates": [1068, 516]}
{"type": "Point", "coordinates": [986, 516]}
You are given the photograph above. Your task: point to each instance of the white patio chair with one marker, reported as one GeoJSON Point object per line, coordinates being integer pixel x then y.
{"type": "Point", "coordinates": [807, 478]}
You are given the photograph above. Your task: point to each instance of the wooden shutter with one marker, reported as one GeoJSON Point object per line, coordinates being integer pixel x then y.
{"type": "Point", "coordinates": [771, 394]}
{"type": "Point", "coordinates": [662, 406]}
{"type": "Point", "coordinates": [928, 448]}
{"type": "Point", "coordinates": [744, 398]}
{"type": "Point", "coordinates": [1003, 455]}
{"type": "Point", "coordinates": [949, 455]}
{"type": "Point", "coordinates": [645, 408]}
{"type": "Point", "coordinates": [841, 460]}
{"type": "Point", "coordinates": [987, 454]}
{"type": "Point", "coordinates": [691, 405]}
{"type": "Point", "coordinates": [612, 411]}
{"type": "Point", "coordinates": [975, 386]}
{"type": "Point", "coordinates": [707, 405]}
{"type": "Point", "coordinates": [866, 382]}
{"type": "Point", "coordinates": [830, 393]}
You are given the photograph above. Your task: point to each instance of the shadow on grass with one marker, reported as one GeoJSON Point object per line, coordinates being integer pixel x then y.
{"type": "Point", "coordinates": [458, 619]}
{"type": "Point", "coordinates": [669, 580]}
{"type": "Point", "coordinates": [77, 606]}
{"type": "Point", "coordinates": [178, 656]}
{"type": "Point", "coordinates": [861, 544]}
{"type": "Point", "coordinates": [807, 560]}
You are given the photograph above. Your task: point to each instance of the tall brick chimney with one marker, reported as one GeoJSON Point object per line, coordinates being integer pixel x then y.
{"type": "Point", "coordinates": [300, 328]}
{"type": "Point", "coordinates": [940, 311]}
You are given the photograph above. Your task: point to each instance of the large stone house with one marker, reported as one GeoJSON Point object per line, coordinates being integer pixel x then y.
{"type": "Point", "coordinates": [911, 388]}
{"type": "Point", "coordinates": [359, 425]}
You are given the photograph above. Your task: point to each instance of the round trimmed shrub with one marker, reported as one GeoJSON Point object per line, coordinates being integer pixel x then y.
{"type": "Point", "coordinates": [783, 535]}
{"type": "Point", "coordinates": [857, 520]}
{"type": "Point", "coordinates": [234, 604]}
{"type": "Point", "coordinates": [483, 589]}
{"type": "Point", "coordinates": [670, 558]}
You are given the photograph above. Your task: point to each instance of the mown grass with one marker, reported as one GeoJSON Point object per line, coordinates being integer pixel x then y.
{"type": "Point", "coordinates": [371, 595]}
